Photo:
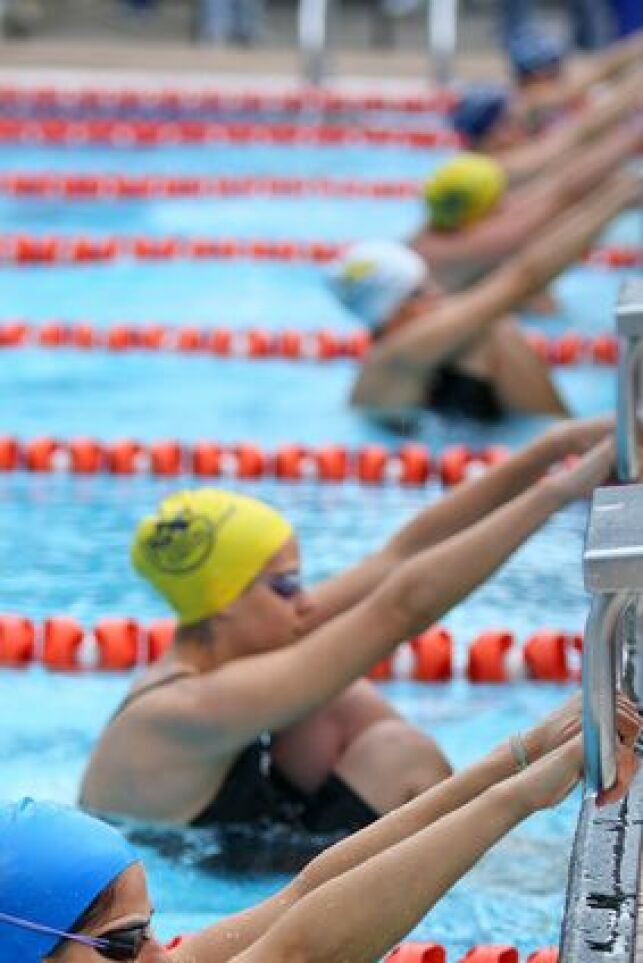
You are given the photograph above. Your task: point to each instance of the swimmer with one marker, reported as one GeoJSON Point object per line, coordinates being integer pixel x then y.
{"type": "Point", "coordinates": [489, 120]}
{"type": "Point", "coordinates": [547, 87]}
{"type": "Point", "coordinates": [72, 890]}
{"type": "Point", "coordinates": [463, 352]}
{"type": "Point", "coordinates": [259, 714]}
{"type": "Point", "coordinates": [474, 222]}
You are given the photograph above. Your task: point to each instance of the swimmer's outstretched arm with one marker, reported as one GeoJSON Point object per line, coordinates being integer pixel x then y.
{"type": "Point", "coordinates": [225, 940]}
{"type": "Point", "coordinates": [547, 151]}
{"type": "Point", "coordinates": [335, 923]}
{"type": "Point", "coordinates": [460, 507]}
{"type": "Point", "coordinates": [393, 375]}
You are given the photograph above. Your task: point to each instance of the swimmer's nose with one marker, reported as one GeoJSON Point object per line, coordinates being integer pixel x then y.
{"type": "Point", "coordinates": [304, 603]}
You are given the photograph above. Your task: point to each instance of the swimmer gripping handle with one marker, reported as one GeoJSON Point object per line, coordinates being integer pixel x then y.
{"type": "Point", "coordinates": [50, 930]}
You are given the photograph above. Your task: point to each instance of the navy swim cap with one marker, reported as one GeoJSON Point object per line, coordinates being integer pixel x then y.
{"type": "Point", "coordinates": [54, 862]}
{"type": "Point", "coordinates": [532, 51]}
{"type": "Point", "coordinates": [478, 110]}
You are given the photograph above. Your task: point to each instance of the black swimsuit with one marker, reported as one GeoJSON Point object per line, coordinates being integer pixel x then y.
{"type": "Point", "coordinates": [256, 794]}
{"type": "Point", "coordinates": [451, 391]}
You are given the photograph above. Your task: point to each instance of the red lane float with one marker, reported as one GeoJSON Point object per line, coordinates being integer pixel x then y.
{"type": "Point", "coordinates": [61, 643]}
{"type": "Point", "coordinates": [258, 343]}
{"type": "Point", "coordinates": [119, 186]}
{"type": "Point", "coordinates": [548, 955]}
{"type": "Point", "coordinates": [62, 249]}
{"type": "Point", "coordinates": [153, 133]}
{"type": "Point", "coordinates": [212, 99]}
{"type": "Point", "coordinates": [17, 641]}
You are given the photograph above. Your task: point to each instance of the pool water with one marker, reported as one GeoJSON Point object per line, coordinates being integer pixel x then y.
{"type": "Point", "coordinates": [64, 544]}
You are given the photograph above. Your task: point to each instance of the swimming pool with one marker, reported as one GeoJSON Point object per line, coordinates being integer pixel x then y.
{"type": "Point", "coordinates": [65, 539]}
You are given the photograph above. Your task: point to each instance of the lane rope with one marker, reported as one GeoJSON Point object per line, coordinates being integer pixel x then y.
{"type": "Point", "coordinates": [62, 642]}
{"type": "Point", "coordinates": [410, 465]}
{"type": "Point", "coordinates": [80, 249]}
{"type": "Point", "coordinates": [211, 99]}
{"type": "Point", "coordinates": [285, 344]}
{"type": "Point", "coordinates": [146, 133]}
{"type": "Point", "coordinates": [110, 186]}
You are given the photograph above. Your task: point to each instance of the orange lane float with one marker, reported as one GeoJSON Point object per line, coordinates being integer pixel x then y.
{"type": "Point", "coordinates": [301, 99]}
{"type": "Point", "coordinates": [259, 343]}
{"type": "Point", "coordinates": [64, 249]}
{"type": "Point", "coordinates": [119, 643]}
{"type": "Point", "coordinates": [17, 641]}
{"type": "Point", "coordinates": [151, 133]}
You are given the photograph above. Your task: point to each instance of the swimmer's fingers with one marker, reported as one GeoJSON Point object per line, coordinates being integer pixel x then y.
{"type": "Point", "coordinates": [627, 765]}
{"type": "Point", "coordinates": [628, 721]}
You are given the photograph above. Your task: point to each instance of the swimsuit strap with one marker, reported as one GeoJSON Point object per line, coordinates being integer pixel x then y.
{"type": "Point", "coordinates": [167, 680]}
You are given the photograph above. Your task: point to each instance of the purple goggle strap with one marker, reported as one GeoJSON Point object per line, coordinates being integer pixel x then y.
{"type": "Point", "coordinates": [92, 941]}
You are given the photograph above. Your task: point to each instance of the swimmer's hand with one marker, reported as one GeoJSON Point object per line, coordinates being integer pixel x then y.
{"type": "Point", "coordinates": [575, 436]}
{"type": "Point", "coordinates": [565, 723]}
{"type": "Point", "coordinates": [548, 781]}
{"type": "Point", "coordinates": [581, 478]}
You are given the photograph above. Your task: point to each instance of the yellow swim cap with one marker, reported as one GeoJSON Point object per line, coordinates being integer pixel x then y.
{"type": "Point", "coordinates": [464, 190]}
{"type": "Point", "coordinates": [204, 547]}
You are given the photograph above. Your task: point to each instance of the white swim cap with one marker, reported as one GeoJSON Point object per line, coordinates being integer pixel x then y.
{"type": "Point", "coordinates": [374, 278]}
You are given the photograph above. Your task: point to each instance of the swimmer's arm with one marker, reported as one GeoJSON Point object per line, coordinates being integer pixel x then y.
{"type": "Point", "coordinates": [336, 923]}
{"type": "Point", "coordinates": [228, 708]}
{"type": "Point", "coordinates": [604, 64]}
{"type": "Point", "coordinates": [546, 151]}
{"type": "Point", "coordinates": [582, 76]}
{"type": "Point", "coordinates": [456, 510]}
{"type": "Point", "coordinates": [393, 375]}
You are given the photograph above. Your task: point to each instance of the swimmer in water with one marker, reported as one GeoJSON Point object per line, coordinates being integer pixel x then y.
{"type": "Point", "coordinates": [259, 714]}
{"type": "Point", "coordinates": [474, 222]}
{"type": "Point", "coordinates": [548, 88]}
{"type": "Point", "coordinates": [72, 890]}
{"type": "Point", "coordinates": [489, 120]}
{"type": "Point", "coordinates": [463, 352]}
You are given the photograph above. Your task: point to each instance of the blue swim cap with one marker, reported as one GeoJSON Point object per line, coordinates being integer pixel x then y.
{"type": "Point", "coordinates": [478, 110]}
{"type": "Point", "coordinates": [532, 51]}
{"type": "Point", "coordinates": [54, 862]}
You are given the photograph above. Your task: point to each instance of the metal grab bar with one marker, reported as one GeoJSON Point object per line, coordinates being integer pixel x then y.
{"type": "Point", "coordinates": [441, 27]}
{"type": "Point", "coordinates": [629, 327]}
{"type": "Point", "coordinates": [613, 571]}
{"type": "Point", "coordinates": [313, 38]}
{"type": "Point", "coordinates": [600, 662]}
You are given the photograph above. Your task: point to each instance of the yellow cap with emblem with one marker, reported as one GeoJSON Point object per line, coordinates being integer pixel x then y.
{"type": "Point", "coordinates": [204, 547]}
{"type": "Point", "coordinates": [464, 190]}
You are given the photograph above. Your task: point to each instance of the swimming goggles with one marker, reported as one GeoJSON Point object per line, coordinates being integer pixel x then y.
{"type": "Point", "coordinates": [124, 944]}
{"type": "Point", "coordinates": [284, 584]}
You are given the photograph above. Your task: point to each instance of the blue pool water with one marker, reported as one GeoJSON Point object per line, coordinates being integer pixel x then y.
{"type": "Point", "coordinates": [64, 540]}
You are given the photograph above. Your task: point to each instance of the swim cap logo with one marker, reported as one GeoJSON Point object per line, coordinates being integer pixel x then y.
{"type": "Point", "coordinates": [181, 544]}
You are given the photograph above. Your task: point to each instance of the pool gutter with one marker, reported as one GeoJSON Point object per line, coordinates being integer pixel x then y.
{"type": "Point", "coordinates": [600, 920]}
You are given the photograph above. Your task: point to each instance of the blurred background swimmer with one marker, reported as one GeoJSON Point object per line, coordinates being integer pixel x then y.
{"type": "Point", "coordinates": [463, 352]}
{"type": "Point", "coordinates": [473, 222]}
{"type": "Point", "coordinates": [259, 714]}
{"type": "Point", "coordinates": [495, 123]}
